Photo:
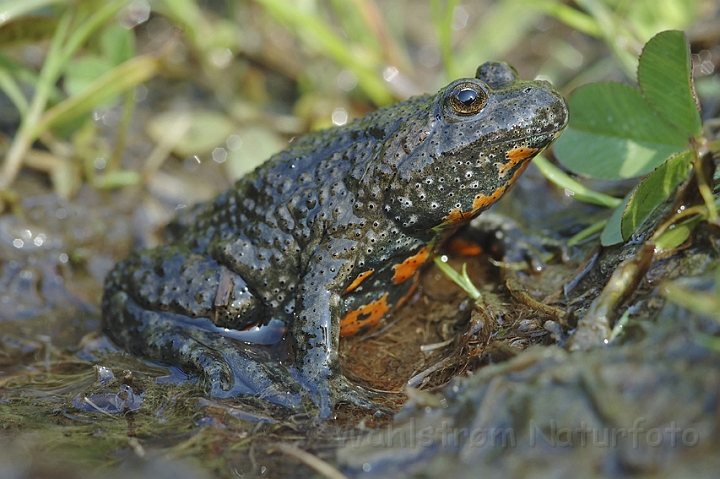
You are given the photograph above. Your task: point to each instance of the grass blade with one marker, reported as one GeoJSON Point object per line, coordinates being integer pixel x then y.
{"type": "Point", "coordinates": [10, 87]}
{"type": "Point", "coordinates": [579, 191]}
{"type": "Point", "coordinates": [12, 9]}
{"type": "Point", "coordinates": [442, 21]}
{"type": "Point", "coordinates": [321, 36]}
{"type": "Point", "coordinates": [116, 81]}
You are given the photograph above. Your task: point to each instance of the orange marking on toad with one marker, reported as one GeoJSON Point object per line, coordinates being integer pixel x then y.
{"type": "Point", "coordinates": [454, 216]}
{"type": "Point", "coordinates": [480, 202]}
{"type": "Point", "coordinates": [364, 317]}
{"type": "Point", "coordinates": [515, 156]}
{"type": "Point", "coordinates": [356, 282]}
{"type": "Point", "coordinates": [517, 173]}
{"type": "Point", "coordinates": [464, 248]}
{"type": "Point", "coordinates": [407, 268]}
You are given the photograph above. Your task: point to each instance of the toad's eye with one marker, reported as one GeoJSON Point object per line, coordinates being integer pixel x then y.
{"type": "Point", "coordinates": [467, 99]}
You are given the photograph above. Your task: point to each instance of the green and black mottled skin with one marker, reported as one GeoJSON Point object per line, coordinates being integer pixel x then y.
{"type": "Point", "coordinates": [290, 240]}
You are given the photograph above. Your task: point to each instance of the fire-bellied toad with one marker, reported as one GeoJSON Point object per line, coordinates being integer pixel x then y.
{"type": "Point", "coordinates": [327, 237]}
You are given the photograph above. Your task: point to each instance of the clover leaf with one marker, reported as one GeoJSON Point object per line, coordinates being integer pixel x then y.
{"type": "Point", "coordinates": [618, 131]}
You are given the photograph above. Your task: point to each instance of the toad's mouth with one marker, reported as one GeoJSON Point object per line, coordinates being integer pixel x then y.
{"type": "Point", "coordinates": [548, 132]}
{"type": "Point", "coordinates": [538, 141]}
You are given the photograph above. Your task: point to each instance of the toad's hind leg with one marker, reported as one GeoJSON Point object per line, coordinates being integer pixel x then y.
{"type": "Point", "coordinates": [226, 368]}
{"type": "Point", "coordinates": [182, 332]}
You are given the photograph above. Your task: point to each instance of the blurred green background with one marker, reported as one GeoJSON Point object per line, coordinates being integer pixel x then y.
{"type": "Point", "coordinates": [102, 93]}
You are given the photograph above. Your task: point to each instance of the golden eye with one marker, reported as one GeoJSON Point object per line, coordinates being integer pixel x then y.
{"type": "Point", "coordinates": [467, 99]}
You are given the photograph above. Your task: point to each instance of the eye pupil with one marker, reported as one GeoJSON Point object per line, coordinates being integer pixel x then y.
{"type": "Point", "coordinates": [467, 99]}
{"type": "Point", "coordinates": [467, 96]}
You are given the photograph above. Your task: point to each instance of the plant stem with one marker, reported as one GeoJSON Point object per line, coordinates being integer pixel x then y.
{"type": "Point", "coordinates": [23, 138]}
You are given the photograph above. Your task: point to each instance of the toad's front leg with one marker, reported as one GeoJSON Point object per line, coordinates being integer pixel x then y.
{"type": "Point", "coordinates": [316, 334]}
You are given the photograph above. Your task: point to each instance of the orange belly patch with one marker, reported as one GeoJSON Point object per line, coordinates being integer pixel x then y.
{"type": "Point", "coordinates": [365, 317]}
{"type": "Point", "coordinates": [356, 282]}
{"type": "Point", "coordinates": [407, 268]}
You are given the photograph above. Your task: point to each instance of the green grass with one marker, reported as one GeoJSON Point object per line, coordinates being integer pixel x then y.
{"type": "Point", "coordinates": [361, 38]}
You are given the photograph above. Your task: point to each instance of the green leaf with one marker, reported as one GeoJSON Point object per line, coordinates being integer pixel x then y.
{"type": "Point", "coordinates": [256, 145]}
{"type": "Point", "coordinates": [677, 234]}
{"type": "Point", "coordinates": [117, 44]}
{"type": "Point", "coordinates": [117, 179]}
{"type": "Point", "coordinates": [665, 77]}
{"type": "Point", "coordinates": [612, 234]}
{"type": "Point", "coordinates": [614, 134]}
{"type": "Point", "coordinates": [654, 190]}
{"type": "Point", "coordinates": [81, 73]}
{"type": "Point", "coordinates": [206, 131]}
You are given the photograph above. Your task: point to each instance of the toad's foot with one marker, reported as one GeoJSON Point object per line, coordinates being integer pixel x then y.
{"type": "Point", "coordinates": [333, 390]}
{"type": "Point", "coordinates": [517, 245]}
